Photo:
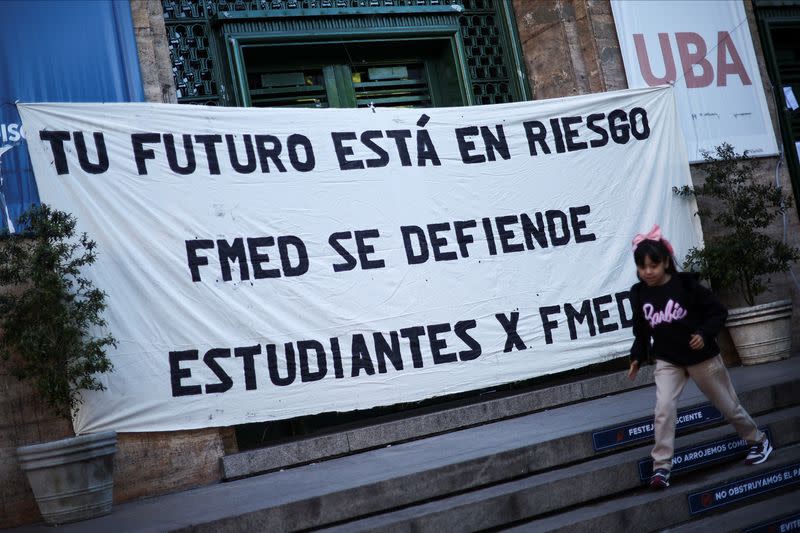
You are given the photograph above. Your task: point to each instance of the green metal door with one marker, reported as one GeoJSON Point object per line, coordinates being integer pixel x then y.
{"type": "Point", "coordinates": [357, 74]}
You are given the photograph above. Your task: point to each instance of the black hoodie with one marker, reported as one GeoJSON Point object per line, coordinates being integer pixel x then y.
{"type": "Point", "coordinates": [671, 314]}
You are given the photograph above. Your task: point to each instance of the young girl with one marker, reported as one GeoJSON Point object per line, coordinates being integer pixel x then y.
{"type": "Point", "coordinates": [683, 319]}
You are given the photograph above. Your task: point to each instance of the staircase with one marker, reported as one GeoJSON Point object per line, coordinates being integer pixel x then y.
{"type": "Point", "coordinates": [571, 465]}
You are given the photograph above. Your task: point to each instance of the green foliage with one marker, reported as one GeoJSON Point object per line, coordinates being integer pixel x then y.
{"type": "Point", "coordinates": [741, 257]}
{"type": "Point", "coordinates": [48, 308]}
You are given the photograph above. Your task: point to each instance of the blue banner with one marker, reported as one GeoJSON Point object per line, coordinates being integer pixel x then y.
{"type": "Point", "coordinates": [744, 488]}
{"type": "Point", "coordinates": [56, 51]}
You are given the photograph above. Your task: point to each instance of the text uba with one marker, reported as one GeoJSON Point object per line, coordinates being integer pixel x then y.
{"type": "Point", "coordinates": [695, 67]}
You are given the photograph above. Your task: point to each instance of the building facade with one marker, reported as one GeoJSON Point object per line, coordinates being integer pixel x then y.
{"type": "Point", "coordinates": [359, 53]}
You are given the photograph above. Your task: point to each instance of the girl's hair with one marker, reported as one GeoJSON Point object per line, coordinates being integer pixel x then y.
{"type": "Point", "coordinates": [657, 252]}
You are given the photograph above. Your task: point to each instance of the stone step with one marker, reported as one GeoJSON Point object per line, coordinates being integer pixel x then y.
{"type": "Point", "coordinates": [716, 491]}
{"type": "Point", "coordinates": [569, 486]}
{"type": "Point", "coordinates": [396, 476]}
{"type": "Point", "coordinates": [773, 515]}
{"type": "Point", "coordinates": [285, 455]}
{"type": "Point", "coordinates": [347, 442]}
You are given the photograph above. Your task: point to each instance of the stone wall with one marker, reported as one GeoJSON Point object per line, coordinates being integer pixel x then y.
{"type": "Point", "coordinates": [571, 47]}
{"type": "Point", "coordinates": [148, 464]}
{"type": "Point", "coordinates": [153, 48]}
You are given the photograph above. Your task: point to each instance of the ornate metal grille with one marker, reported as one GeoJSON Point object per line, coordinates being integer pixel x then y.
{"type": "Point", "coordinates": [196, 65]}
{"type": "Point", "coordinates": [193, 66]}
{"type": "Point", "coordinates": [485, 43]}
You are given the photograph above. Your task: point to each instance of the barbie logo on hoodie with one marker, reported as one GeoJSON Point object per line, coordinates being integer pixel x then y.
{"type": "Point", "coordinates": [671, 312]}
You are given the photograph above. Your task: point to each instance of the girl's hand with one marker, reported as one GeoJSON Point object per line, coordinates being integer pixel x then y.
{"type": "Point", "coordinates": [696, 342]}
{"type": "Point", "coordinates": [633, 370]}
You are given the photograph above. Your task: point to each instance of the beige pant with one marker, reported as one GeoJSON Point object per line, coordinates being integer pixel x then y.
{"type": "Point", "coordinates": [713, 380]}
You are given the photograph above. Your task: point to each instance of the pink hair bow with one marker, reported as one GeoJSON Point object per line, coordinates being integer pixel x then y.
{"type": "Point", "coordinates": [653, 235]}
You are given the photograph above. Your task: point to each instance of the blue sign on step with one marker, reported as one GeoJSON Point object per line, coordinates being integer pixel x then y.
{"type": "Point", "coordinates": [643, 429]}
{"type": "Point", "coordinates": [782, 525]}
{"type": "Point", "coordinates": [701, 454]}
{"type": "Point", "coordinates": [741, 489]}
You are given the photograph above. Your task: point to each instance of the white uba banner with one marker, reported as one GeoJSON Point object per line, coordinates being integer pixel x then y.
{"type": "Point", "coordinates": [704, 47]}
{"type": "Point", "coordinates": [263, 264]}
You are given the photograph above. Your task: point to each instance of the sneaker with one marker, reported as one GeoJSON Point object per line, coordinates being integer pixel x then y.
{"type": "Point", "coordinates": [759, 452]}
{"type": "Point", "coordinates": [659, 479]}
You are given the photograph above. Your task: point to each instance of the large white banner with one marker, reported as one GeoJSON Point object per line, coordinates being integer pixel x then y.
{"type": "Point", "coordinates": [704, 47]}
{"type": "Point", "coordinates": [263, 264]}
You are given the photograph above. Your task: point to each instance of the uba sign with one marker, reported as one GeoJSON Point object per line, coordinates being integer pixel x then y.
{"type": "Point", "coordinates": [695, 66]}
{"type": "Point", "coordinates": [705, 50]}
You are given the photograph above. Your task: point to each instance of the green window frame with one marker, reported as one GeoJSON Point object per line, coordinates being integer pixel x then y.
{"type": "Point", "coordinates": [782, 16]}
{"type": "Point", "coordinates": [435, 29]}
{"type": "Point", "coordinates": [409, 72]}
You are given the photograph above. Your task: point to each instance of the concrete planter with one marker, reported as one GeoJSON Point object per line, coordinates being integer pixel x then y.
{"type": "Point", "coordinates": [762, 333]}
{"type": "Point", "coordinates": [72, 479]}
